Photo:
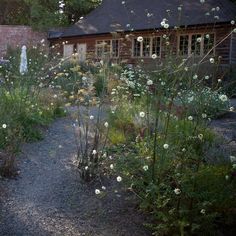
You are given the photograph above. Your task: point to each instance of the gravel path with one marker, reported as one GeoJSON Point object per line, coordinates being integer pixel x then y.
{"type": "Point", "coordinates": [48, 197]}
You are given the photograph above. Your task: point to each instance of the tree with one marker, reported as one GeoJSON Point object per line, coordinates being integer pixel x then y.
{"type": "Point", "coordinates": [44, 14]}
{"type": "Point", "coordinates": [14, 12]}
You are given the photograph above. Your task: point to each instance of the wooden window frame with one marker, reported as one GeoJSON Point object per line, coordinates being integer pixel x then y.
{"type": "Point", "coordinates": [151, 47]}
{"type": "Point", "coordinates": [190, 43]}
{"type": "Point", "coordinates": [110, 45]}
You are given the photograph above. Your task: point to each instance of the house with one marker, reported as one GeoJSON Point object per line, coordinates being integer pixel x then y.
{"type": "Point", "coordinates": [189, 27]}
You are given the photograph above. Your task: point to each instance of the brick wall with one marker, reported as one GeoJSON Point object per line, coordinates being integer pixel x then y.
{"type": "Point", "coordinates": [18, 36]}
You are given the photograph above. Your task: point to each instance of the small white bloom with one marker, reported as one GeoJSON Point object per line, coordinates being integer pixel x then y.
{"type": "Point", "coordinates": [199, 40]}
{"type": "Point", "coordinates": [177, 191]}
{"type": "Point", "coordinates": [97, 191]}
{"type": "Point", "coordinates": [202, 1]}
{"type": "Point", "coordinates": [234, 30]}
{"type": "Point", "coordinates": [104, 188]}
{"type": "Point", "coordinates": [204, 115]}
{"type": "Point", "coordinates": [207, 77]}
{"type": "Point", "coordinates": [212, 60]}
{"type": "Point", "coordinates": [94, 152]}
{"type": "Point", "coordinates": [190, 118]}
{"type": "Point", "coordinates": [119, 179]}
{"type": "Point", "coordinates": [142, 114]}
{"type": "Point", "coordinates": [111, 166]}
{"type": "Point", "coordinates": [184, 150]}
{"type": "Point", "coordinates": [231, 108]}
{"type": "Point", "coordinates": [91, 117]}
{"type": "Point", "coordinates": [232, 22]}
{"type": "Point", "coordinates": [226, 177]}
{"type": "Point", "coordinates": [4, 126]}
{"type": "Point", "coordinates": [106, 124]}
{"type": "Point", "coordinates": [195, 76]}
{"type": "Point", "coordinates": [149, 82]}
{"type": "Point", "coordinates": [145, 168]}
{"type": "Point", "coordinates": [232, 159]}
{"type": "Point", "coordinates": [203, 211]}
{"type": "Point", "coordinates": [200, 136]}
{"type": "Point", "coordinates": [166, 26]}
{"type": "Point", "coordinates": [154, 56]}
{"type": "Point", "coordinates": [166, 146]}
{"type": "Point", "coordinates": [223, 98]}
{"type": "Point", "coordinates": [140, 39]}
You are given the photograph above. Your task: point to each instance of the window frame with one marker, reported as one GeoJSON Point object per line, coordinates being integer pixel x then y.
{"type": "Point", "coordinates": [151, 47]}
{"type": "Point", "coordinates": [190, 43]}
{"type": "Point", "coordinates": [110, 45]}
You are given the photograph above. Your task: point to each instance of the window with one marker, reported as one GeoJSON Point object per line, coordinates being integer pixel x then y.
{"type": "Point", "coordinates": [107, 48]}
{"type": "Point", "coordinates": [136, 48]}
{"type": "Point", "coordinates": [183, 45]}
{"type": "Point", "coordinates": [146, 48]}
{"type": "Point", "coordinates": [156, 46]}
{"type": "Point", "coordinates": [196, 44]}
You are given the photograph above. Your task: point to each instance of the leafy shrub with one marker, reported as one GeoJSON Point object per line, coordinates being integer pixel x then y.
{"type": "Point", "coordinates": [204, 101]}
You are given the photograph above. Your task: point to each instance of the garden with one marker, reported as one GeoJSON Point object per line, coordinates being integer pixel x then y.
{"type": "Point", "coordinates": [101, 148]}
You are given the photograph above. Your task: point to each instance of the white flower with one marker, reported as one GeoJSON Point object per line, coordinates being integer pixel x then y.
{"type": "Point", "coordinates": [223, 98]}
{"type": "Point", "coordinates": [94, 152]}
{"type": "Point", "coordinates": [149, 82]}
{"type": "Point", "coordinates": [207, 36]}
{"type": "Point", "coordinates": [190, 118]}
{"type": "Point", "coordinates": [184, 150]}
{"type": "Point", "coordinates": [145, 168]}
{"type": "Point", "coordinates": [104, 188]}
{"type": "Point", "coordinates": [166, 146]}
{"type": "Point", "coordinates": [207, 77]}
{"type": "Point", "coordinates": [166, 26]}
{"type": "Point", "coordinates": [154, 56]}
{"type": "Point", "coordinates": [231, 108]}
{"type": "Point", "coordinates": [97, 191]}
{"type": "Point", "coordinates": [119, 179]}
{"type": "Point", "coordinates": [4, 126]}
{"type": "Point", "coordinates": [234, 30]}
{"type": "Point", "coordinates": [177, 191]}
{"type": "Point", "coordinates": [179, 8]}
{"type": "Point", "coordinates": [217, 8]}
{"type": "Point", "coordinates": [111, 166]}
{"type": "Point", "coordinates": [106, 124]}
{"type": "Point", "coordinates": [142, 114]}
{"type": "Point", "coordinates": [200, 136]}
{"type": "Point", "coordinates": [195, 76]}
{"type": "Point", "coordinates": [203, 211]}
{"type": "Point", "coordinates": [232, 22]}
{"type": "Point", "coordinates": [204, 115]}
{"type": "Point", "coordinates": [232, 159]}
{"type": "Point", "coordinates": [202, 1]}
{"type": "Point", "coordinates": [212, 60]}
{"type": "Point", "coordinates": [199, 40]}
{"type": "Point", "coordinates": [140, 39]}
{"type": "Point", "coordinates": [91, 117]}
{"type": "Point", "coordinates": [226, 177]}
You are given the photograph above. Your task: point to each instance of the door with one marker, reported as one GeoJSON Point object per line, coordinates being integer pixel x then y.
{"type": "Point", "coordinates": [82, 50]}
{"type": "Point", "coordinates": [68, 50]}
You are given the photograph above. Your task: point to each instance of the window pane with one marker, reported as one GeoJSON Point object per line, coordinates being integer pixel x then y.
{"type": "Point", "coordinates": [146, 47]}
{"type": "Point", "coordinates": [99, 48]}
{"type": "Point", "coordinates": [209, 41]}
{"type": "Point", "coordinates": [115, 48]}
{"type": "Point", "coordinates": [137, 48]}
{"type": "Point", "coordinates": [107, 46]}
{"type": "Point", "coordinates": [196, 44]}
{"type": "Point", "coordinates": [156, 46]}
{"type": "Point", "coordinates": [183, 45]}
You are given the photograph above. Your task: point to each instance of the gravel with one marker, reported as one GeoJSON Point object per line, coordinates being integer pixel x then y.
{"type": "Point", "coordinates": [49, 198]}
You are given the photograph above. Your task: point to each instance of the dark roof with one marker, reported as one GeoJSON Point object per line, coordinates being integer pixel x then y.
{"type": "Point", "coordinates": [112, 15]}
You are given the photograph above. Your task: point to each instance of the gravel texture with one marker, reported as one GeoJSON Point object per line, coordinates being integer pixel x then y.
{"type": "Point", "coordinates": [48, 197]}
